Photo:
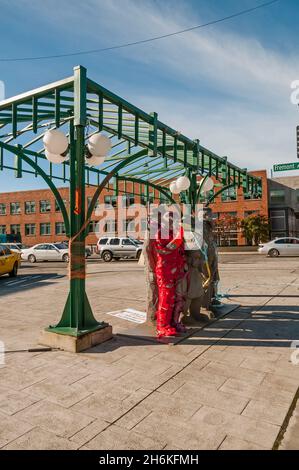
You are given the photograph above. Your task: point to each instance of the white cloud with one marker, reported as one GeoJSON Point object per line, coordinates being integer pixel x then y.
{"type": "Point", "coordinates": [232, 92]}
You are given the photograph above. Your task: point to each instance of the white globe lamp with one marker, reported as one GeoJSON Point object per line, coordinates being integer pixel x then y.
{"type": "Point", "coordinates": [173, 188]}
{"type": "Point", "coordinates": [208, 185]}
{"type": "Point", "coordinates": [55, 142]}
{"type": "Point", "coordinates": [95, 160]}
{"type": "Point", "coordinates": [183, 183]}
{"type": "Point", "coordinates": [99, 144]}
{"type": "Point", "coordinates": [54, 158]}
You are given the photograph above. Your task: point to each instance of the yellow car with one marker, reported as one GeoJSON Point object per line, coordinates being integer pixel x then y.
{"type": "Point", "coordinates": [9, 261]}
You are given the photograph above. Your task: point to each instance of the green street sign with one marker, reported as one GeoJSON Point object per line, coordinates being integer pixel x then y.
{"type": "Point", "coordinates": [286, 166]}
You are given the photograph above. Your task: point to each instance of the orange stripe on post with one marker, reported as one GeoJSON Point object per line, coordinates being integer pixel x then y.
{"type": "Point", "coordinates": [78, 200]}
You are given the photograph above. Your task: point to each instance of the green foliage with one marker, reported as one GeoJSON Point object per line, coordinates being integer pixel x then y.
{"type": "Point", "coordinates": [255, 229]}
{"type": "Point", "coordinates": [224, 226]}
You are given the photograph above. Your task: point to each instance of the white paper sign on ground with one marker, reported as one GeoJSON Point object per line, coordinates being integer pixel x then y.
{"type": "Point", "coordinates": [130, 314]}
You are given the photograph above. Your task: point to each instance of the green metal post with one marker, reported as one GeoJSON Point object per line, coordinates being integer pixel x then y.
{"type": "Point", "coordinates": [192, 191]}
{"type": "Point", "coordinates": [77, 317]}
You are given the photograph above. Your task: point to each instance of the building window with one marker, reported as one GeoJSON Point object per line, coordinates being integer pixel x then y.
{"type": "Point", "coordinates": [57, 208]}
{"type": "Point", "coordinates": [129, 225]}
{"type": "Point", "coordinates": [45, 206]}
{"type": "Point", "coordinates": [110, 226]}
{"type": "Point", "coordinates": [252, 196]}
{"type": "Point", "coordinates": [30, 207]}
{"type": "Point", "coordinates": [45, 228]}
{"type": "Point", "coordinates": [15, 208]}
{"type": "Point", "coordinates": [229, 194]}
{"type": "Point", "coordinates": [2, 229]}
{"type": "Point", "coordinates": [277, 196]}
{"type": "Point", "coordinates": [30, 230]}
{"type": "Point", "coordinates": [92, 226]}
{"type": "Point", "coordinates": [144, 201]}
{"type": "Point", "coordinates": [2, 208]}
{"type": "Point", "coordinates": [97, 204]}
{"type": "Point", "coordinates": [128, 200]}
{"type": "Point", "coordinates": [277, 220]}
{"type": "Point", "coordinates": [15, 229]}
{"type": "Point", "coordinates": [110, 201]}
{"type": "Point", "coordinates": [143, 225]}
{"type": "Point", "coordinates": [249, 213]}
{"type": "Point", "coordinates": [59, 228]}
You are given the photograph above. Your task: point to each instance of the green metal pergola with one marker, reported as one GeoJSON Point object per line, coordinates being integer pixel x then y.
{"type": "Point", "coordinates": [145, 152]}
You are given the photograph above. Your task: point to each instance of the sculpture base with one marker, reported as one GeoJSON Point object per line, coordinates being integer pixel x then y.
{"type": "Point", "coordinates": [72, 343]}
{"type": "Point", "coordinates": [147, 331]}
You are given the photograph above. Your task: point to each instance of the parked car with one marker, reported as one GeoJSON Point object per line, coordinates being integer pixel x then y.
{"type": "Point", "coordinates": [287, 246]}
{"type": "Point", "coordinates": [16, 247]}
{"type": "Point", "coordinates": [9, 261]}
{"type": "Point", "coordinates": [88, 251]}
{"type": "Point", "coordinates": [46, 252]}
{"type": "Point", "coordinates": [138, 242]}
{"type": "Point", "coordinates": [110, 248]}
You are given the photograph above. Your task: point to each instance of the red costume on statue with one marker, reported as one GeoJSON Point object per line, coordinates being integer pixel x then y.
{"type": "Point", "coordinates": [169, 265]}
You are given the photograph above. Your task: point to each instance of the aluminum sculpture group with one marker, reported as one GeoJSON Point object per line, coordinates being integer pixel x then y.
{"type": "Point", "coordinates": [181, 267]}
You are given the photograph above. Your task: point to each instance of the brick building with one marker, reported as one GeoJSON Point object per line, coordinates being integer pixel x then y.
{"type": "Point", "coordinates": [234, 203]}
{"type": "Point", "coordinates": [36, 216]}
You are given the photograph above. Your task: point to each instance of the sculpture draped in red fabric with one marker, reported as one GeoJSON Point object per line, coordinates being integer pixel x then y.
{"type": "Point", "coordinates": [169, 267]}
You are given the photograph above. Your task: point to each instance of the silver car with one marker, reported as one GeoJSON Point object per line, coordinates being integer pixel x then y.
{"type": "Point", "coordinates": [110, 248]}
{"type": "Point", "coordinates": [16, 247]}
{"type": "Point", "coordinates": [287, 246]}
{"type": "Point", "coordinates": [46, 252]}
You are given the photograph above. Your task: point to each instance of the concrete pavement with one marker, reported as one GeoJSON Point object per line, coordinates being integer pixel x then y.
{"type": "Point", "coordinates": [231, 385]}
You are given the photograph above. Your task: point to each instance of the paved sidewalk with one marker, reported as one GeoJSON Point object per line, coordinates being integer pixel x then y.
{"type": "Point", "coordinates": [230, 386]}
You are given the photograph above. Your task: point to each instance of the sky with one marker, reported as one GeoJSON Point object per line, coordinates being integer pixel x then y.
{"type": "Point", "coordinates": [228, 85]}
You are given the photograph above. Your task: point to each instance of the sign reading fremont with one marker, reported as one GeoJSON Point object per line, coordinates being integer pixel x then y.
{"type": "Point", "coordinates": [286, 166]}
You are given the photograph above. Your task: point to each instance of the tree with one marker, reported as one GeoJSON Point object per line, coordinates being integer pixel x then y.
{"type": "Point", "coordinates": [255, 229]}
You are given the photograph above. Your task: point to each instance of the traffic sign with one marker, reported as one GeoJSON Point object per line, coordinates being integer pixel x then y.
{"type": "Point", "coordinates": [286, 166]}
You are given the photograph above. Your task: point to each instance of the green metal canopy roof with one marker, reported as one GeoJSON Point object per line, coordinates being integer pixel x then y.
{"type": "Point", "coordinates": [144, 149]}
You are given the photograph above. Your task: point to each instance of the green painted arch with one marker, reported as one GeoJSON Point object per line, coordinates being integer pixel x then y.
{"type": "Point", "coordinates": [152, 185]}
{"type": "Point", "coordinates": [211, 199]}
{"type": "Point", "coordinates": [113, 173]}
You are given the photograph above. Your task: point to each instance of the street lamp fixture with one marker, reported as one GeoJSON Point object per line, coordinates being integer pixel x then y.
{"type": "Point", "coordinates": [97, 149]}
{"type": "Point", "coordinates": [207, 185]}
{"type": "Point", "coordinates": [56, 147]}
{"type": "Point", "coordinates": [55, 142]}
{"type": "Point", "coordinates": [181, 184]}
{"type": "Point", "coordinates": [53, 158]}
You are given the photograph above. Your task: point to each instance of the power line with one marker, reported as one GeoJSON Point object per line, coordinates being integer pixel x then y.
{"type": "Point", "coordinates": [143, 41]}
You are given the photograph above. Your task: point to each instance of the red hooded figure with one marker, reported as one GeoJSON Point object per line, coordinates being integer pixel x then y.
{"type": "Point", "coordinates": [169, 265]}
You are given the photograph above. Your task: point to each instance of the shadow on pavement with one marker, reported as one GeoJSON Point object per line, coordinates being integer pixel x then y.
{"type": "Point", "coordinates": [268, 326]}
{"type": "Point", "coordinates": [23, 282]}
{"type": "Point", "coordinates": [262, 295]}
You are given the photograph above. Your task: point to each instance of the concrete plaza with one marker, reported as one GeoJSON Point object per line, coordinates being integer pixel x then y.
{"type": "Point", "coordinates": [231, 385]}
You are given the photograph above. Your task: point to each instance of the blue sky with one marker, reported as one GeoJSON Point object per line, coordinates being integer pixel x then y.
{"type": "Point", "coordinates": [227, 84]}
